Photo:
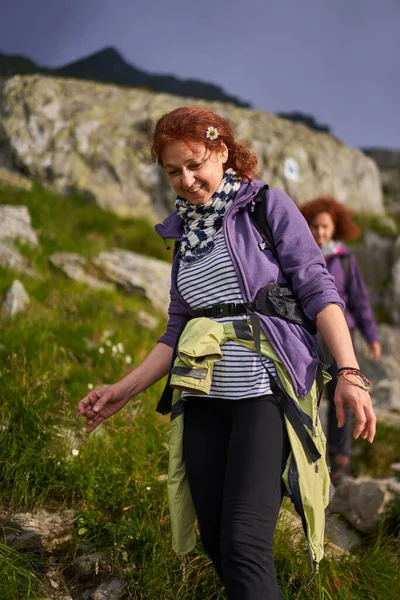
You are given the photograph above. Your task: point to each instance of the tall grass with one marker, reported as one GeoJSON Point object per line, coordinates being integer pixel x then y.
{"type": "Point", "coordinates": [114, 479]}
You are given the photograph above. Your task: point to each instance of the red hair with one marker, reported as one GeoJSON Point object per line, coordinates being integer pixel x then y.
{"type": "Point", "coordinates": [345, 228]}
{"type": "Point", "coordinates": [189, 125]}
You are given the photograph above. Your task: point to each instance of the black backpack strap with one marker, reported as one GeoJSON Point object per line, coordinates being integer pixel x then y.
{"type": "Point", "coordinates": [258, 215]}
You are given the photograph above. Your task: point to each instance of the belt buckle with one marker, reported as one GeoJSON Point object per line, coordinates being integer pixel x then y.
{"type": "Point", "coordinates": [218, 311]}
{"type": "Point", "coordinates": [231, 309]}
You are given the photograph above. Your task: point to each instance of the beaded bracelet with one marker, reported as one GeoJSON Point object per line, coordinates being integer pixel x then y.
{"type": "Point", "coordinates": [346, 371]}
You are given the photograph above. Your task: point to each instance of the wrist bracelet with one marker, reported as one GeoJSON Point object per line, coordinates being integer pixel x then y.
{"type": "Point", "coordinates": [346, 371]}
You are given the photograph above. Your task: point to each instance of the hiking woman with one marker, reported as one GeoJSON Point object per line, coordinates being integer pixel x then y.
{"type": "Point", "coordinates": [331, 225]}
{"type": "Point", "coordinates": [244, 423]}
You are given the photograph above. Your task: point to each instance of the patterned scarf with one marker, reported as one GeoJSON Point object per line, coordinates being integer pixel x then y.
{"type": "Point", "coordinates": [202, 221]}
{"type": "Point", "coordinates": [331, 248]}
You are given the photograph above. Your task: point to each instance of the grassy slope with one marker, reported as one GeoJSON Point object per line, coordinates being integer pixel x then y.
{"type": "Point", "coordinates": [48, 356]}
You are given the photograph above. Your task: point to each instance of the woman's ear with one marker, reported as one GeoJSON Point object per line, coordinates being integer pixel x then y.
{"type": "Point", "coordinates": [224, 153]}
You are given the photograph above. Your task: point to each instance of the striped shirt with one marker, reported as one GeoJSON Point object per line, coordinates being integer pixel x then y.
{"type": "Point", "coordinates": [212, 280]}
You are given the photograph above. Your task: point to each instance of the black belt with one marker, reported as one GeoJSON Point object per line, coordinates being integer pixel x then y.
{"type": "Point", "coordinates": [224, 310]}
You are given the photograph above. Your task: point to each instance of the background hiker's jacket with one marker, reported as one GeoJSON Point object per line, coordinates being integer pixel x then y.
{"type": "Point", "coordinates": [352, 290]}
{"type": "Point", "coordinates": [301, 264]}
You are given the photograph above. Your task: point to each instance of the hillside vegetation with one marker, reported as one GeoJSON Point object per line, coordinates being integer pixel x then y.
{"type": "Point", "coordinates": [69, 339]}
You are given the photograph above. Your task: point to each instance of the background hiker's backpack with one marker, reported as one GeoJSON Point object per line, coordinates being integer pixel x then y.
{"type": "Point", "coordinates": [258, 215]}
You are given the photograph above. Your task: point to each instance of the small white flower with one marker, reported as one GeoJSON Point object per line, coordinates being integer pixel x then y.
{"type": "Point", "coordinates": [148, 488]}
{"type": "Point", "coordinates": [108, 343]}
{"type": "Point", "coordinates": [114, 349]}
{"type": "Point", "coordinates": [74, 452]}
{"type": "Point", "coordinates": [128, 359]}
{"type": "Point", "coordinates": [101, 350]}
{"type": "Point", "coordinates": [106, 334]}
{"type": "Point", "coordinates": [120, 347]}
{"type": "Point", "coordinates": [212, 133]}
{"type": "Point", "coordinates": [90, 386]}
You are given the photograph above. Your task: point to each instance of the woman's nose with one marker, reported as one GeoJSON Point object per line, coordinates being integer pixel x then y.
{"type": "Point", "coordinates": [187, 178]}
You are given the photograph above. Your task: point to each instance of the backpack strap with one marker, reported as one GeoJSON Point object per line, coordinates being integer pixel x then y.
{"type": "Point", "coordinates": [258, 216]}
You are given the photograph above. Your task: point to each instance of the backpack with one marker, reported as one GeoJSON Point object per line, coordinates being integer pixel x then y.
{"type": "Point", "coordinates": [258, 215]}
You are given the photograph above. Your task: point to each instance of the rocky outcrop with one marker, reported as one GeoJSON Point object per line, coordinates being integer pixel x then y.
{"type": "Point", "coordinates": [92, 138]}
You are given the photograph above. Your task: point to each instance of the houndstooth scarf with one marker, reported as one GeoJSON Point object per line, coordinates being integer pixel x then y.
{"type": "Point", "coordinates": [203, 221]}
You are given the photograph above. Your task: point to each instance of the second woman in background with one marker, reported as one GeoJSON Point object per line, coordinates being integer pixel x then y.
{"type": "Point", "coordinates": [331, 225]}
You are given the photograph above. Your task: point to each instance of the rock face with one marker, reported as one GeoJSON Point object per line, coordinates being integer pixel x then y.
{"type": "Point", "coordinates": [388, 162]}
{"type": "Point", "coordinates": [93, 138]}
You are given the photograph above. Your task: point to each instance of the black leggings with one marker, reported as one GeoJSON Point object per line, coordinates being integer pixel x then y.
{"type": "Point", "coordinates": [235, 453]}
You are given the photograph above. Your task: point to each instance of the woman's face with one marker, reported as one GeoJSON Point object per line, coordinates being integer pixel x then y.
{"type": "Point", "coordinates": [323, 228]}
{"type": "Point", "coordinates": [194, 174]}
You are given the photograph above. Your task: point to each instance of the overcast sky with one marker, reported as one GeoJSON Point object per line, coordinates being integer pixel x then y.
{"type": "Point", "coordinates": [338, 60]}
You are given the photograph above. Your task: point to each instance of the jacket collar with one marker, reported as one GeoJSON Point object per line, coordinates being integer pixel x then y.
{"type": "Point", "coordinates": [172, 227]}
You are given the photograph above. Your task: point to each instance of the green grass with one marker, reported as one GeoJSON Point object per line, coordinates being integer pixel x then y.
{"type": "Point", "coordinates": [376, 459]}
{"type": "Point", "coordinates": [48, 356]}
{"type": "Point", "coordinates": [18, 576]}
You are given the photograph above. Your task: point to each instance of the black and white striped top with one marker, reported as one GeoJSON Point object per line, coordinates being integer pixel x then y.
{"type": "Point", "coordinates": [212, 280]}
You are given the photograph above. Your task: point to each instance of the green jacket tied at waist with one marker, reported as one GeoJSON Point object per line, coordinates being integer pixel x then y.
{"type": "Point", "coordinates": [306, 477]}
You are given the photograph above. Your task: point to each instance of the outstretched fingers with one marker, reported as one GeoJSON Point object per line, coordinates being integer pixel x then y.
{"type": "Point", "coordinates": [365, 422]}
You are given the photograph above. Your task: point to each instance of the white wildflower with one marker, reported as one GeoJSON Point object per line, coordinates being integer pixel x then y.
{"type": "Point", "coordinates": [212, 133]}
{"type": "Point", "coordinates": [148, 488]}
{"type": "Point", "coordinates": [128, 359]}
{"type": "Point", "coordinates": [114, 349]}
{"type": "Point", "coordinates": [101, 350]}
{"type": "Point", "coordinates": [90, 386]}
{"type": "Point", "coordinates": [75, 452]}
{"type": "Point", "coordinates": [108, 342]}
{"type": "Point", "coordinates": [120, 347]}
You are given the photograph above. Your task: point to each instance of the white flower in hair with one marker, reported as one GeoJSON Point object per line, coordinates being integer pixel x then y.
{"type": "Point", "coordinates": [212, 133]}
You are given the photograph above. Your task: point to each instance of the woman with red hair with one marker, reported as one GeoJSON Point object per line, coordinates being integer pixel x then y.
{"type": "Point", "coordinates": [244, 425]}
{"type": "Point", "coordinates": [331, 225]}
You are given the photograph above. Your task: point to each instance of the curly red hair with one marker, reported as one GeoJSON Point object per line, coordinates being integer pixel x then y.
{"type": "Point", "coordinates": [189, 124]}
{"type": "Point", "coordinates": [345, 228]}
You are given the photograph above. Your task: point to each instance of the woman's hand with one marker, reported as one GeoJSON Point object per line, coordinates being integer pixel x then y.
{"type": "Point", "coordinates": [360, 403]}
{"type": "Point", "coordinates": [102, 403]}
{"type": "Point", "coordinates": [375, 350]}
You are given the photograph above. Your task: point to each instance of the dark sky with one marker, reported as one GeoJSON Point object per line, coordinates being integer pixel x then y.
{"type": "Point", "coordinates": [338, 60]}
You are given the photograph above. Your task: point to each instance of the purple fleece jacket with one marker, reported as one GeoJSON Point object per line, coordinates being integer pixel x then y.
{"type": "Point", "coordinates": [353, 292]}
{"type": "Point", "coordinates": [300, 262]}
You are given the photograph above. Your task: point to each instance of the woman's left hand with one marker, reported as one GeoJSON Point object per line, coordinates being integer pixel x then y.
{"type": "Point", "coordinates": [361, 405]}
{"type": "Point", "coordinates": [375, 350]}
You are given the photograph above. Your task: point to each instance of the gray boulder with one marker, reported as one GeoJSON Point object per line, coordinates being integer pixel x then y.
{"type": "Point", "coordinates": [109, 590]}
{"type": "Point", "coordinates": [363, 502]}
{"type": "Point", "coordinates": [75, 267]}
{"type": "Point", "coordinates": [138, 274]}
{"type": "Point", "coordinates": [15, 300]}
{"type": "Point", "coordinates": [15, 224]}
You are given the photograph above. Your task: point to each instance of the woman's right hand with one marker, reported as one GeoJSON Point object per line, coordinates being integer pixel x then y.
{"type": "Point", "coordinates": [102, 403]}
